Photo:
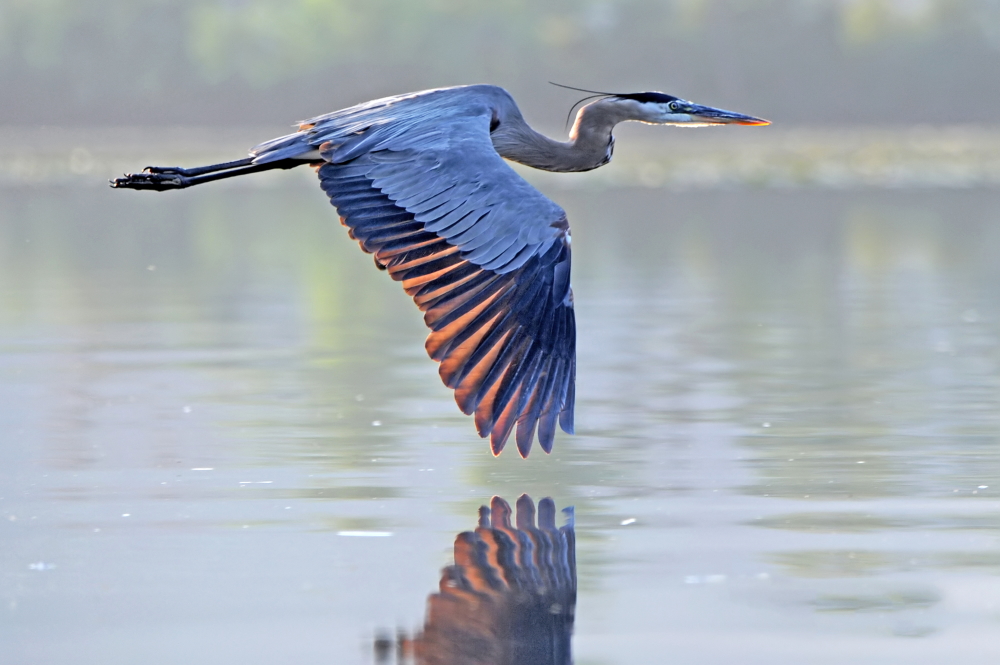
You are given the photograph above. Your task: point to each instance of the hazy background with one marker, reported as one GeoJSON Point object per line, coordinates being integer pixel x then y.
{"type": "Point", "coordinates": [845, 62]}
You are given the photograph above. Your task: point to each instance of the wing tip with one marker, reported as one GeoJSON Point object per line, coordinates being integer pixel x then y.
{"type": "Point", "coordinates": [496, 447]}
{"type": "Point", "coordinates": [566, 422]}
{"type": "Point", "coordinates": [524, 440]}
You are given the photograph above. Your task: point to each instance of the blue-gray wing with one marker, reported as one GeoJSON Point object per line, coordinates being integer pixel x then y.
{"type": "Point", "coordinates": [484, 255]}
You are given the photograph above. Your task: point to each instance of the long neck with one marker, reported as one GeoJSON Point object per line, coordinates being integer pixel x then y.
{"type": "Point", "coordinates": [589, 146]}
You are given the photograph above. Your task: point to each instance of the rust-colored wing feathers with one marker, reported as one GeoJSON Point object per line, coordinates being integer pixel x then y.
{"type": "Point", "coordinates": [505, 341]}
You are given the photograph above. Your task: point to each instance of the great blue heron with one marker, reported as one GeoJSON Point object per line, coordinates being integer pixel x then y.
{"type": "Point", "coordinates": [420, 181]}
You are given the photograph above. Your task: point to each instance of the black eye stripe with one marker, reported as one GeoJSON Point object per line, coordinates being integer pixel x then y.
{"type": "Point", "coordinates": [644, 97]}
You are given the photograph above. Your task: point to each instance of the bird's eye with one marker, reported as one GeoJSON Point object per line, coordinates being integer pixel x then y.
{"type": "Point", "coordinates": [673, 106]}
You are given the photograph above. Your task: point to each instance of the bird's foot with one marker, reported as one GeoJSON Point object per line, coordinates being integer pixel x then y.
{"type": "Point", "coordinates": [156, 178]}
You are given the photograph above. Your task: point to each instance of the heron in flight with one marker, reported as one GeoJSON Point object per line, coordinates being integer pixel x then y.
{"type": "Point", "coordinates": [420, 181]}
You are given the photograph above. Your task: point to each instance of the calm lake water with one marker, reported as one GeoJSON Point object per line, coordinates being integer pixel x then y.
{"type": "Point", "coordinates": [788, 416]}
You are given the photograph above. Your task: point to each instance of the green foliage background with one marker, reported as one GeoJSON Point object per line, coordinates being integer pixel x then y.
{"type": "Point", "coordinates": [224, 61]}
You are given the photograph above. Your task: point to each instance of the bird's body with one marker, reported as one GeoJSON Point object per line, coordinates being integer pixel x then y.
{"type": "Point", "coordinates": [420, 181]}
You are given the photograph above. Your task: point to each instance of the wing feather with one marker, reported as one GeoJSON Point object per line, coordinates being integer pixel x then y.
{"type": "Point", "coordinates": [467, 392]}
{"type": "Point", "coordinates": [448, 305]}
{"type": "Point", "coordinates": [440, 289]}
{"type": "Point", "coordinates": [550, 413]}
{"type": "Point", "coordinates": [528, 421]}
{"type": "Point", "coordinates": [484, 255]}
{"type": "Point", "coordinates": [459, 330]}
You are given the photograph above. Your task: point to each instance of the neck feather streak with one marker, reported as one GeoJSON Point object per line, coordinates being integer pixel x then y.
{"type": "Point", "coordinates": [589, 144]}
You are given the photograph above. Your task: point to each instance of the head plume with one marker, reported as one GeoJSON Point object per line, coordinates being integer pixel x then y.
{"type": "Point", "coordinates": [642, 97]}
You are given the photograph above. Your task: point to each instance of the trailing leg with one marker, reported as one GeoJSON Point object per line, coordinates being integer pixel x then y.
{"type": "Point", "coordinates": [199, 170]}
{"type": "Point", "coordinates": [162, 178]}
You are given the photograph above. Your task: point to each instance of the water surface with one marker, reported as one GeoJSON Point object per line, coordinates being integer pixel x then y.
{"type": "Point", "coordinates": [222, 440]}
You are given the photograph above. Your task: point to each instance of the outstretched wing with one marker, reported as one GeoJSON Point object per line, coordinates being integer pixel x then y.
{"type": "Point", "coordinates": [484, 255]}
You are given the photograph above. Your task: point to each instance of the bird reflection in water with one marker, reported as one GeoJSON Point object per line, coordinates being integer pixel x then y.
{"type": "Point", "coordinates": [508, 599]}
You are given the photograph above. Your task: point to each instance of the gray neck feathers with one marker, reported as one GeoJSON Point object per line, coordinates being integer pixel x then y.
{"type": "Point", "coordinates": [589, 144]}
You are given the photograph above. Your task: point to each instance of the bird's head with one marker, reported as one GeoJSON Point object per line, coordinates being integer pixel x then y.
{"type": "Point", "coordinates": [658, 108]}
{"type": "Point", "coordinates": [661, 109]}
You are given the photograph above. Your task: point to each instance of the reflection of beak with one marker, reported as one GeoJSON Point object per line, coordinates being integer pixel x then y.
{"type": "Point", "coordinates": [713, 116]}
